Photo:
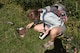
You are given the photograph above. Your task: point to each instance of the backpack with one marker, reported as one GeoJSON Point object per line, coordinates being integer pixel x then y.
{"type": "Point", "coordinates": [59, 10]}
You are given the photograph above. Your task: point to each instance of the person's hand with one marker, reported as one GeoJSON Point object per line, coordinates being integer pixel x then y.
{"type": "Point", "coordinates": [29, 25]}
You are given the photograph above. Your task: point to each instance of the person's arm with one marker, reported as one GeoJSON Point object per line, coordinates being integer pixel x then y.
{"type": "Point", "coordinates": [30, 25]}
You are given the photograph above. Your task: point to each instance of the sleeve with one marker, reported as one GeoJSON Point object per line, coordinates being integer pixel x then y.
{"type": "Point", "coordinates": [36, 22]}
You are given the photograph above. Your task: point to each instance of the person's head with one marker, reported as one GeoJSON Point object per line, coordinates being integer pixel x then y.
{"type": "Point", "coordinates": [34, 15]}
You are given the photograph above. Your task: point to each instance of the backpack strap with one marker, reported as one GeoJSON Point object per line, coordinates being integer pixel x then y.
{"type": "Point", "coordinates": [43, 19]}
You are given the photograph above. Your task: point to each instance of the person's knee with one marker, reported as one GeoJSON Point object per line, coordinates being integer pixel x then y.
{"type": "Point", "coordinates": [39, 28]}
{"type": "Point", "coordinates": [55, 31]}
{"type": "Point", "coordinates": [36, 28]}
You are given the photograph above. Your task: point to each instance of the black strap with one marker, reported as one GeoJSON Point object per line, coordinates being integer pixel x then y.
{"type": "Point", "coordinates": [44, 20]}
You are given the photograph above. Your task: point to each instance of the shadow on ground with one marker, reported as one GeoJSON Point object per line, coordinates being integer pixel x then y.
{"type": "Point", "coordinates": [1, 5]}
{"type": "Point", "coordinates": [58, 47]}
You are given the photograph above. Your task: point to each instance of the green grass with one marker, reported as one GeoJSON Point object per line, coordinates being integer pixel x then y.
{"type": "Point", "coordinates": [10, 42]}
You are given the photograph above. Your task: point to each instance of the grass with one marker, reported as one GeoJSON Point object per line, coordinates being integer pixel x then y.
{"type": "Point", "coordinates": [10, 42]}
